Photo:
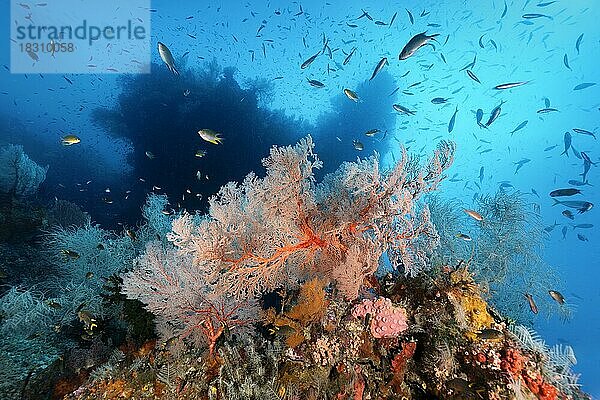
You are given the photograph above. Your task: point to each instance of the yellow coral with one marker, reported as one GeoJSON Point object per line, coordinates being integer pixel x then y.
{"type": "Point", "coordinates": [311, 302]}
{"type": "Point", "coordinates": [310, 308]}
{"type": "Point", "coordinates": [475, 309]}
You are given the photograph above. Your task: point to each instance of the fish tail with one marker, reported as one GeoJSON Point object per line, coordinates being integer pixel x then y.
{"type": "Point", "coordinates": [556, 202]}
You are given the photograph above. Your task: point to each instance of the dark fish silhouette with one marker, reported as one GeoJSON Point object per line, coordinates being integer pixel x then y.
{"type": "Point", "coordinates": [580, 206]}
{"type": "Point", "coordinates": [473, 76]}
{"type": "Point", "coordinates": [495, 114]}
{"type": "Point", "coordinates": [564, 192]}
{"type": "Point", "coordinates": [567, 141]}
{"type": "Point", "coordinates": [578, 42]}
{"type": "Point", "coordinates": [452, 121]}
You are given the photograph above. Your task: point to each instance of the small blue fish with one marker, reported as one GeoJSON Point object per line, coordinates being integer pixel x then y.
{"type": "Point", "coordinates": [567, 140]}
{"type": "Point", "coordinates": [481, 41]}
{"type": "Point", "coordinates": [535, 15]}
{"type": "Point", "coordinates": [505, 10]}
{"type": "Point", "coordinates": [584, 85]}
{"type": "Point", "coordinates": [566, 61]}
{"type": "Point", "coordinates": [520, 164]}
{"type": "Point", "coordinates": [495, 113]}
{"type": "Point", "coordinates": [470, 65]}
{"type": "Point", "coordinates": [410, 17]}
{"type": "Point", "coordinates": [473, 76]}
{"type": "Point", "coordinates": [479, 116]}
{"type": "Point", "coordinates": [545, 4]}
{"type": "Point", "coordinates": [520, 126]}
{"type": "Point", "coordinates": [452, 121]}
{"type": "Point", "coordinates": [578, 42]}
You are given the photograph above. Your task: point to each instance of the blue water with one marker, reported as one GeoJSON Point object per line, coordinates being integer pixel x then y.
{"type": "Point", "coordinates": [526, 50]}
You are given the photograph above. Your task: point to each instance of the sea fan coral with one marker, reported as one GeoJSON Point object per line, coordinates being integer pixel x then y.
{"type": "Point", "coordinates": [19, 175]}
{"type": "Point", "coordinates": [277, 230]}
{"type": "Point", "coordinates": [180, 296]}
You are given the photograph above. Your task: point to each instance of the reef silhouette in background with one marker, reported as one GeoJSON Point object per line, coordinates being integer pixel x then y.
{"type": "Point", "coordinates": [160, 115]}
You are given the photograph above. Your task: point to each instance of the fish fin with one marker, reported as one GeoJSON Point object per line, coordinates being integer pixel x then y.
{"type": "Point", "coordinates": [430, 37]}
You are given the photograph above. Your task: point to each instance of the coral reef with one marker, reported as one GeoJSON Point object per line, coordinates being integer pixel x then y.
{"type": "Point", "coordinates": [67, 214]}
{"type": "Point", "coordinates": [387, 321]}
{"type": "Point", "coordinates": [19, 175]}
{"type": "Point", "coordinates": [505, 253]}
{"type": "Point", "coordinates": [286, 294]}
{"type": "Point", "coordinates": [20, 179]}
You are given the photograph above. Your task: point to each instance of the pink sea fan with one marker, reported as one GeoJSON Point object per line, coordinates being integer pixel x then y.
{"type": "Point", "coordinates": [183, 301]}
{"type": "Point", "coordinates": [284, 228]}
{"type": "Point", "coordinates": [387, 320]}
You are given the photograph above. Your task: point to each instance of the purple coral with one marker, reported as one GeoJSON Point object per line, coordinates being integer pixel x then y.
{"type": "Point", "coordinates": [387, 320]}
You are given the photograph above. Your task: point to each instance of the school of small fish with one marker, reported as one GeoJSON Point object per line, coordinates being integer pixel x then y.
{"type": "Point", "coordinates": [325, 58]}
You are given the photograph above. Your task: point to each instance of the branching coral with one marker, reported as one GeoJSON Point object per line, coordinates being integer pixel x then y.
{"type": "Point", "coordinates": [24, 313]}
{"type": "Point", "coordinates": [181, 298]}
{"type": "Point", "coordinates": [278, 230]}
{"type": "Point", "coordinates": [157, 215]}
{"type": "Point", "coordinates": [282, 229]}
{"type": "Point", "coordinates": [505, 254]}
{"type": "Point", "coordinates": [67, 214]}
{"type": "Point", "coordinates": [554, 364]}
{"type": "Point", "coordinates": [309, 251]}
{"type": "Point", "coordinates": [19, 175]}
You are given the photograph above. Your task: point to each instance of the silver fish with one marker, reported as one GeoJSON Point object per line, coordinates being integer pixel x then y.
{"type": "Point", "coordinates": [379, 67]}
{"type": "Point", "coordinates": [167, 57]}
{"type": "Point", "coordinates": [415, 43]}
{"type": "Point", "coordinates": [510, 85]}
{"type": "Point", "coordinates": [402, 109]}
{"type": "Point", "coordinates": [309, 61]}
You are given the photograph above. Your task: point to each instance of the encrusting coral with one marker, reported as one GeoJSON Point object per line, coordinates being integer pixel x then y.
{"type": "Point", "coordinates": [387, 320]}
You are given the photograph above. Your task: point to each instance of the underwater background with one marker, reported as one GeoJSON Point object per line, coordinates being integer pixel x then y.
{"type": "Point", "coordinates": [239, 74]}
